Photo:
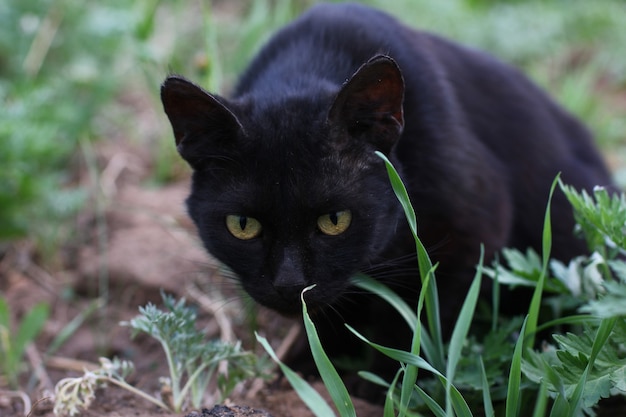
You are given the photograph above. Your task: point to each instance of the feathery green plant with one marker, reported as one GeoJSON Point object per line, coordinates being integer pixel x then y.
{"type": "Point", "coordinates": [192, 363]}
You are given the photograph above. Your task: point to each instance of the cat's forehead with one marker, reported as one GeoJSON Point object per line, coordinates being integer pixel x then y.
{"type": "Point", "coordinates": [285, 131]}
{"type": "Point", "coordinates": [299, 160]}
{"type": "Point", "coordinates": [289, 155]}
{"type": "Point", "coordinates": [301, 173]}
{"type": "Point", "coordinates": [290, 199]}
{"type": "Point", "coordinates": [284, 114]}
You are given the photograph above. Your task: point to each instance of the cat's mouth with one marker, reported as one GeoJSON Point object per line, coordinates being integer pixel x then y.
{"type": "Point", "coordinates": [289, 303]}
{"type": "Point", "coordinates": [295, 310]}
{"type": "Point", "coordinates": [287, 309]}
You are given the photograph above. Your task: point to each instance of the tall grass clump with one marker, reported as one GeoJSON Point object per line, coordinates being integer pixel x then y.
{"type": "Point", "coordinates": [503, 372]}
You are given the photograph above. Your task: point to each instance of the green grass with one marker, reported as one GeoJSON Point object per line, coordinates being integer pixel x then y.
{"type": "Point", "coordinates": [52, 90]}
{"type": "Point", "coordinates": [14, 339]}
{"type": "Point", "coordinates": [566, 378]}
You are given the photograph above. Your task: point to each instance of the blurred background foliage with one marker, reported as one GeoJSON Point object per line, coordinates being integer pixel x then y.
{"type": "Point", "coordinates": [77, 73]}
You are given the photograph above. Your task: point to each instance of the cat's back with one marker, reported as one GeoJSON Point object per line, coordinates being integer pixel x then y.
{"type": "Point", "coordinates": [448, 86]}
{"type": "Point", "coordinates": [328, 42]}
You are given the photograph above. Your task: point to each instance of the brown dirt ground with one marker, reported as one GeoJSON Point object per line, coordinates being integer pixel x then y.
{"type": "Point", "coordinates": [141, 243]}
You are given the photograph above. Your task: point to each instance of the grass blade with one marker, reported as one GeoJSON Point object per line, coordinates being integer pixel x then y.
{"type": "Point", "coordinates": [4, 314]}
{"type": "Point", "coordinates": [7, 363]}
{"type": "Point", "coordinates": [602, 335]}
{"type": "Point", "coordinates": [419, 336]}
{"type": "Point", "coordinates": [431, 352]}
{"type": "Point", "coordinates": [425, 266]}
{"type": "Point", "coordinates": [373, 378]}
{"type": "Point", "coordinates": [29, 328]}
{"type": "Point", "coordinates": [542, 400]}
{"type": "Point", "coordinates": [515, 376]}
{"type": "Point", "coordinates": [573, 319]}
{"type": "Point", "coordinates": [459, 404]}
{"type": "Point", "coordinates": [535, 304]}
{"type": "Point", "coordinates": [397, 354]}
{"type": "Point", "coordinates": [305, 391]}
{"type": "Point", "coordinates": [388, 410]}
{"type": "Point", "coordinates": [410, 374]}
{"type": "Point", "coordinates": [401, 193]}
{"type": "Point", "coordinates": [495, 297]}
{"type": "Point", "coordinates": [331, 378]}
{"type": "Point", "coordinates": [487, 403]}
{"type": "Point", "coordinates": [561, 407]}
{"type": "Point", "coordinates": [430, 403]}
{"type": "Point", "coordinates": [463, 323]}
{"type": "Point", "coordinates": [365, 282]}
{"type": "Point", "coordinates": [69, 329]}
{"type": "Point", "coordinates": [461, 329]}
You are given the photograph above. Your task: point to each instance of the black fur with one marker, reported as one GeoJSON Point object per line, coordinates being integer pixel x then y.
{"type": "Point", "coordinates": [477, 144]}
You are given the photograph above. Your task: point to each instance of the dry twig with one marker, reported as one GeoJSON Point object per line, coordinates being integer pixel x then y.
{"type": "Point", "coordinates": [38, 368]}
{"type": "Point", "coordinates": [19, 395]}
{"type": "Point", "coordinates": [213, 307]}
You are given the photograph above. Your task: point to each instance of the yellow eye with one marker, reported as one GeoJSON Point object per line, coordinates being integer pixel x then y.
{"type": "Point", "coordinates": [243, 227]}
{"type": "Point", "coordinates": [334, 223]}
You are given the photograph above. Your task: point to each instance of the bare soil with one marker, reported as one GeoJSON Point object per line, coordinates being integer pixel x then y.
{"type": "Point", "coordinates": [134, 242]}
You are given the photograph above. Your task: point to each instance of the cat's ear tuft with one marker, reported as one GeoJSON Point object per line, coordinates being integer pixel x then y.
{"type": "Point", "coordinates": [200, 120]}
{"type": "Point", "coordinates": [370, 103]}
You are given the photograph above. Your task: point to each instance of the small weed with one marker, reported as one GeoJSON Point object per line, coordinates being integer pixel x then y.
{"type": "Point", "coordinates": [192, 363]}
{"type": "Point", "coordinates": [73, 395]}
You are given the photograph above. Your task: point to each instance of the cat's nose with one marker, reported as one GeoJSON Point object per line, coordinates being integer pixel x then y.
{"type": "Point", "coordinates": [289, 280]}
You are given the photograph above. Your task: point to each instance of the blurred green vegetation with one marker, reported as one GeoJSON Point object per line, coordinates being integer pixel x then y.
{"type": "Point", "coordinates": [62, 68]}
{"type": "Point", "coordinates": [75, 73]}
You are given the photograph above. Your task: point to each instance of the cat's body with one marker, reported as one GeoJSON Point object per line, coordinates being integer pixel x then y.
{"type": "Point", "coordinates": [476, 143]}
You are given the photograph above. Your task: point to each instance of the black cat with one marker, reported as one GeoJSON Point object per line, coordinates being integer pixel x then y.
{"type": "Point", "coordinates": [288, 192]}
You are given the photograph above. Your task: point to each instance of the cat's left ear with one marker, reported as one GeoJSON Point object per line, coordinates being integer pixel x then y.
{"type": "Point", "coordinates": [370, 103]}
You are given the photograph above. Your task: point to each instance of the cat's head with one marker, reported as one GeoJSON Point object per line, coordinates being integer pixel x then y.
{"type": "Point", "coordinates": [287, 190]}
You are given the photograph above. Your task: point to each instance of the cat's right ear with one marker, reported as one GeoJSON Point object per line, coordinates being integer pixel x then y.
{"type": "Point", "coordinates": [202, 124]}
